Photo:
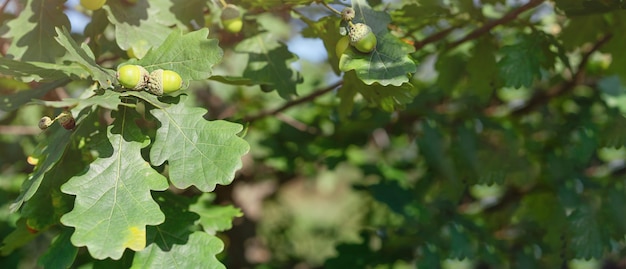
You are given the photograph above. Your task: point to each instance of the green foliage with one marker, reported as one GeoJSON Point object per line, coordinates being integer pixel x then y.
{"type": "Point", "coordinates": [476, 134]}
{"type": "Point", "coordinates": [33, 31]}
{"type": "Point", "coordinates": [268, 64]}
{"type": "Point", "coordinates": [214, 162]}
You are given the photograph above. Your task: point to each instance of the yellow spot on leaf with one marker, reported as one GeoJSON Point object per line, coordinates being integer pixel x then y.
{"type": "Point", "coordinates": [32, 160]}
{"type": "Point", "coordinates": [136, 238]}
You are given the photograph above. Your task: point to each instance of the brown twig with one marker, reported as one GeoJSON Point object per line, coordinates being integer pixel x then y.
{"type": "Point", "coordinates": [4, 5]}
{"type": "Point", "coordinates": [434, 38]}
{"type": "Point", "coordinates": [577, 79]}
{"type": "Point", "coordinates": [291, 103]}
{"type": "Point", "coordinates": [512, 15]}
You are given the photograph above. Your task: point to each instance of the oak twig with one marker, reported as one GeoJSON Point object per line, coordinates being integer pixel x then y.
{"type": "Point", "coordinates": [512, 15]}
{"type": "Point", "coordinates": [294, 102]}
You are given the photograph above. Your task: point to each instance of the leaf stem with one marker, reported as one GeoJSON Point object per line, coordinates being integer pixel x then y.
{"type": "Point", "coordinates": [291, 103]}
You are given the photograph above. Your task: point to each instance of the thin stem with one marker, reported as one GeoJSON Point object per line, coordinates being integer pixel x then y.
{"type": "Point", "coordinates": [223, 2]}
{"type": "Point", "coordinates": [512, 15]}
{"type": "Point", "coordinates": [330, 8]}
{"type": "Point", "coordinates": [4, 5]}
{"type": "Point", "coordinates": [295, 102]}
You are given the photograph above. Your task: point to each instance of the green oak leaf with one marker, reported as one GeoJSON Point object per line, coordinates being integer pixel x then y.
{"type": "Point", "coordinates": [433, 149]}
{"type": "Point", "coordinates": [61, 253]}
{"type": "Point", "coordinates": [451, 69]}
{"type": "Point", "coordinates": [200, 153]}
{"type": "Point", "coordinates": [19, 237]}
{"type": "Point", "coordinates": [487, 162]}
{"type": "Point", "coordinates": [545, 210]}
{"type": "Point", "coordinates": [137, 26]}
{"type": "Point", "coordinates": [15, 101]}
{"type": "Point", "coordinates": [613, 134]}
{"type": "Point", "coordinates": [233, 80]}
{"type": "Point", "coordinates": [419, 15]}
{"type": "Point", "coordinates": [97, 25]}
{"type": "Point", "coordinates": [199, 251]}
{"type": "Point", "coordinates": [389, 63]}
{"type": "Point", "coordinates": [521, 63]}
{"type": "Point", "coordinates": [326, 29]}
{"type": "Point", "coordinates": [482, 69]}
{"type": "Point", "coordinates": [49, 152]}
{"type": "Point", "coordinates": [180, 12]}
{"type": "Point", "coordinates": [388, 98]}
{"type": "Point", "coordinates": [41, 71]}
{"type": "Point", "coordinates": [84, 56]}
{"type": "Point", "coordinates": [587, 7]}
{"type": "Point", "coordinates": [191, 55]}
{"type": "Point", "coordinates": [214, 218]}
{"type": "Point", "coordinates": [48, 203]}
{"type": "Point", "coordinates": [268, 64]}
{"type": "Point", "coordinates": [614, 46]}
{"type": "Point", "coordinates": [587, 238]}
{"type": "Point", "coordinates": [115, 190]}
{"type": "Point", "coordinates": [346, 100]}
{"type": "Point", "coordinates": [460, 242]}
{"type": "Point", "coordinates": [271, 4]}
{"type": "Point", "coordinates": [174, 242]}
{"type": "Point", "coordinates": [33, 31]}
{"type": "Point", "coordinates": [102, 98]}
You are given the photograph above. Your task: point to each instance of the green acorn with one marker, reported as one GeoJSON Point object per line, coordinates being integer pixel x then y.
{"type": "Point", "coordinates": [164, 81]}
{"type": "Point", "coordinates": [342, 45]}
{"type": "Point", "coordinates": [362, 37]}
{"type": "Point", "coordinates": [133, 77]}
{"type": "Point", "coordinates": [232, 18]}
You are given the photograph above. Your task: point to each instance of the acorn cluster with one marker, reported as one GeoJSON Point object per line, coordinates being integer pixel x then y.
{"type": "Point", "coordinates": [159, 82]}
{"type": "Point", "coordinates": [360, 35]}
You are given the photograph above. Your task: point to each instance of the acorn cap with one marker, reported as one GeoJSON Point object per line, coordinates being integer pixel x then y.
{"type": "Point", "coordinates": [362, 37]}
{"type": "Point", "coordinates": [164, 81]}
{"type": "Point", "coordinates": [357, 32]}
{"type": "Point", "coordinates": [67, 120]}
{"type": "Point", "coordinates": [155, 83]}
{"type": "Point", "coordinates": [230, 12]}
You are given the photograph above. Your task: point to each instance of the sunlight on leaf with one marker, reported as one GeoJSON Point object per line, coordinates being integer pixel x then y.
{"type": "Point", "coordinates": [115, 190]}
{"type": "Point", "coordinates": [200, 153]}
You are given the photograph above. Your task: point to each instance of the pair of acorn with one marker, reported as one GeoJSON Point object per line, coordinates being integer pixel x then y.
{"type": "Point", "coordinates": [360, 35]}
{"type": "Point", "coordinates": [65, 119]}
{"type": "Point", "coordinates": [159, 82]}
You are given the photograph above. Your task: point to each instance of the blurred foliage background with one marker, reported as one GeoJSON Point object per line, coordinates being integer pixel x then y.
{"type": "Point", "coordinates": [507, 150]}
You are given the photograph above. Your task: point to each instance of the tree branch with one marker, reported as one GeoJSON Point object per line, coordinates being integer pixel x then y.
{"type": "Point", "coordinates": [294, 102]}
{"type": "Point", "coordinates": [512, 15]}
{"type": "Point", "coordinates": [434, 38]}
